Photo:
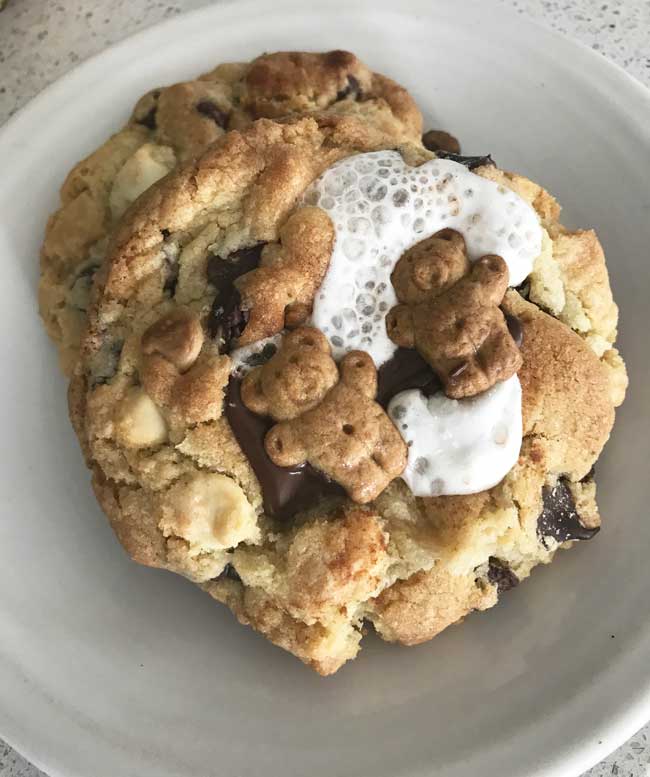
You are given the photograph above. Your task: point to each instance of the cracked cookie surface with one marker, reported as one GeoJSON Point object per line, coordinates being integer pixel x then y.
{"type": "Point", "coordinates": [171, 125]}
{"type": "Point", "coordinates": [180, 480]}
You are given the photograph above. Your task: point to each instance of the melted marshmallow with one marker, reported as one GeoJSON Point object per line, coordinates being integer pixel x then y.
{"type": "Point", "coordinates": [459, 446]}
{"type": "Point", "coordinates": [380, 207]}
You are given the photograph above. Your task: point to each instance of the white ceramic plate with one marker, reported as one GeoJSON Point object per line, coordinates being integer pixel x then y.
{"type": "Point", "coordinates": [111, 670]}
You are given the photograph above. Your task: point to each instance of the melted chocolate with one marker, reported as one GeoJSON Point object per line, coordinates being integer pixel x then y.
{"type": "Point", "coordinates": [559, 518]}
{"type": "Point", "coordinates": [286, 490]}
{"type": "Point", "coordinates": [500, 575]}
{"type": "Point", "coordinates": [408, 370]}
{"type": "Point", "coordinates": [405, 370]}
{"type": "Point", "coordinates": [470, 162]}
{"type": "Point", "coordinates": [227, 320]}
{"type": "Point", "coordinates": [224, 272]}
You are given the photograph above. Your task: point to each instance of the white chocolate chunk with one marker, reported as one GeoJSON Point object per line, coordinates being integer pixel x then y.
{"type": "Point", "coordinates": [141, 170]}
{"type": "Point", "coordinates": [210, 511]}
{"type": "Point", "coordinates": [138, 421]}
{"type": "Point", "coordinates": [459, 446]}
{"type": "Point", "coordinates": [380, 206]}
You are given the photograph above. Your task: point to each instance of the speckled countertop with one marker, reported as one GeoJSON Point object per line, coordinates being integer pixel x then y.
{"type": "Point", "coordinates": [42, 39]}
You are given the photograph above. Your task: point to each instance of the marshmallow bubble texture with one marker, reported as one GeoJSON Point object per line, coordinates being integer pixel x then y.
{"type": "Point", "coordinates": [381, 206]}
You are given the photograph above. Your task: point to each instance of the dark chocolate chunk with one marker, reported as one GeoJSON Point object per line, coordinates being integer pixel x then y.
{"type": "Point", "coordinates": [172, 278]}
{"type": "Point", "coordinates": [286, 490]}
{"type": "Point", "coordinates": [500, 575]}
{"type": "Point", "coordinates": [149, 119]}
{"type": "Point", "coordinates": [351, 89]}
{"type": "Point", "coordinates": [439, 140]}
{"type": "Point", "coordinates": [223, 272]}
{"type": "Point", "coordinates": [559, 519]}
{"type": "Point", "coordinates": [212, 111]}
{"type": "Point", "coordinates": [171, 266]}
{"type": "Point", "coordinates": [227, 320]}
{"type": "Point", "coordinates": [230, 572]}
{"type": "Point", "coordinates": [523, 289]}
{"type": "Point", "coordinates": [515, 328]}
{"type": "Point", "coordinates": [470, 162]}
{"type": "Point", "coordinates": [405, 370]}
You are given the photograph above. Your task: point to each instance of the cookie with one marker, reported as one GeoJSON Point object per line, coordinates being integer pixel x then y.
{"type": "Point", "coordinates": [169, 126]}
{"type": "Point", "coordinates": [246, 413]}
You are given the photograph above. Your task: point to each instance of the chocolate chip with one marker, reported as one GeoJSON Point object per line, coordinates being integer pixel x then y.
{"type": "Point", "coordinates": [103, 364]}
{"type": "Point", "coordinates": [439, 140]}
{"type": "Point", "coordinates": [227, 320]}
{"type": "Point", "coordinates": [222, 272]}
{"type": "Point", "coordinates": [165, 233]}
{"type": "Point", "coordinates": [470, 162]}
{"type": "Point", "coordinates": [351, 89]}
{"type": "Point", "coordinates": [172, 278]}
{"type": "Point", "coordinates": [515, 328]}
{"type": "Point", "coordinates": [149, 119]}
{"type": "Point", "coordinates": [500, 575]}
{"type": "Point", "coordinates": [285, 490]}
{"type": "Point", "coordinates": [432, 387]}
{"type": "Point", "coordinates": [523, 289]}
{"type": "Point", "coordinates": [261, 357]}
{"type": "Point", "coordinates": [212, 111]}
{"type": "Point", "coordinates": [559, 519]}
{"type": "Point", "coordinates": [405, 370]}
{"type": "Point", "coordinates": [230, 573]}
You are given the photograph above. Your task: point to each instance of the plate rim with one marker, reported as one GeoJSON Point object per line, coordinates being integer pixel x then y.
{"type": "Point", "coordinates": [629, 713]}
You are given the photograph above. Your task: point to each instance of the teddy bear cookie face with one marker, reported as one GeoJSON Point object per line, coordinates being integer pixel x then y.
{"type": "Point", "coordinates": [450, 313]}
{"type": "Point", "coordinates": [327, 413]}
{"type": "Point", "coordinates": [381, 207]}
{"type": "Point", "coordinates": [295, 380]}
{"type": "Point", "coordinates": [430, 267]}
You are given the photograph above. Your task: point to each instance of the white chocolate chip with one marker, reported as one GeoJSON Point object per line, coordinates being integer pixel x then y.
{"type": "Point", "coordinates": [459, 446]}
{"type": "Point", "coordinates": [149, 164]}
{"type": "Point", "coordinates": [210, 511]}
{"type": "Point", "coordinates": [380, 206]}
{"type": "Point", "coordinates": [138, 421]}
